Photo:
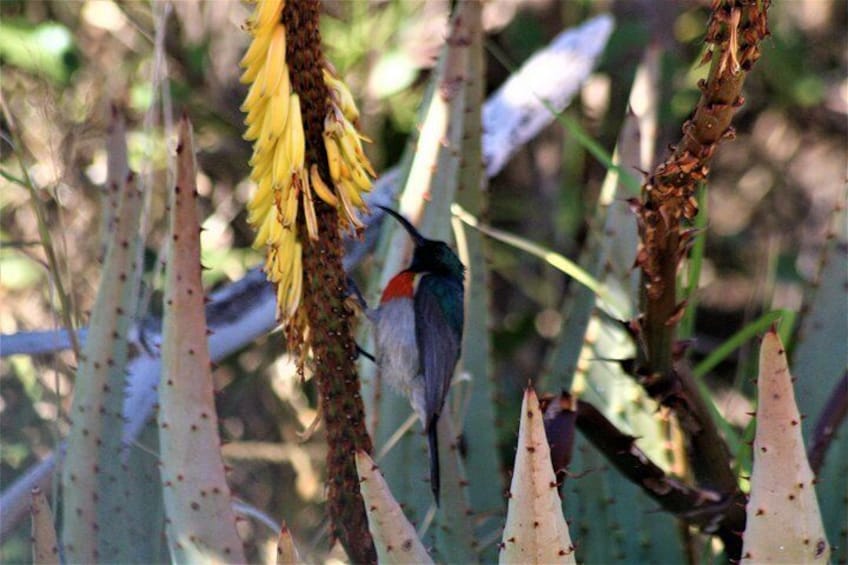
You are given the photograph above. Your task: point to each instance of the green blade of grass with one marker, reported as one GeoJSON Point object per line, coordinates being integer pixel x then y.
{"type": "Point", "coordinates": [759, 325]}
{"type": "Point", "coordinates": [12, 178]}
{"type": "Point", "coordinates": [735, 441]}
{"type": "Point", "coordinates": [597, 151]}
{"type": "Point", "coordinates": [696, 261]}
{"type": "Point", "coordinates": [552, 258]}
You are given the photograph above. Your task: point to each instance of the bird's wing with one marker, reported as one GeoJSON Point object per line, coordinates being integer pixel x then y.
{"type": "Point", "coordinates": [438, 330]}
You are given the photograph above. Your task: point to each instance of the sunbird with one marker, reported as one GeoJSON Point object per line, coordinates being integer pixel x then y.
{"type": "Point", "coordinates": [418, 331]}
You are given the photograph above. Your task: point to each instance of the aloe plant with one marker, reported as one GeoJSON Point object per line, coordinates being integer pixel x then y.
{"type": "Point", "coordinates": [93, 478]}
{"type": "Point", "coordinates": [45, 545]}
{"type": "Point", "coordinates": [239, 313]}
{"type": "Point", "coordinates": [394, 537]}
{"type": "Point", "coordinates": [535, 530]}
{"type": "Point", "coordinates": [201, 524]}
{"type": "Point", "coordinates": [783, 494]}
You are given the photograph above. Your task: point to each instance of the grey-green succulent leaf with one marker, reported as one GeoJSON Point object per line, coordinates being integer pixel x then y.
{"type": "Point", "coordinates": [535, 530]}
{"type": "Point", "coordinates": [201, 523]}
{"type": "Point", "coordinates": [394, 537]}
{"type": "Point", "coordinates": [819, 363]}
{"type": "Point", "coordinates": [93, 477]}
{"type": "Point", "coordinates": [45, 545]}
{"type": "Point", "coordinates": [784, 523]}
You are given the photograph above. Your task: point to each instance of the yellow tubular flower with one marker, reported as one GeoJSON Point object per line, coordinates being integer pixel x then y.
{"type": "Point", "coordinates": [267, 14]}
{"type": "Point", "coordinates": [342, 97]}
{"type": "Point", "coordinates": [275, 66]}
{"type": "Point", "coordinates": [334, 157]}
{"type": "Point", "coordinates": [321, 189]}
{"type": "Point", "coordinates": [309, 208]}
{"type": "Point", "coordinates": [286, 182]}
{"type": "Point", "coordinates": [349, 167]}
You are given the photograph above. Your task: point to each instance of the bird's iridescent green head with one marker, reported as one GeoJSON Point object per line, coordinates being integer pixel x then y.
{"type": "Point", "coordinates": [430, 255]}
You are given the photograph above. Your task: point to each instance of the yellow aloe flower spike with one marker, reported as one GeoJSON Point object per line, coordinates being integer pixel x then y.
{"type": "Point", "coordinates": [286, 182]}
{"type": "Point", "coordinates": [275, 125]}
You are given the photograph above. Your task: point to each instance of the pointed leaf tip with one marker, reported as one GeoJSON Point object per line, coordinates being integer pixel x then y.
{"type": "Point", "coordinates": [784, 522]}
{"type": "Point", "coordinates": [394, 537]}
{"type": "Point", "coordinates": [535, 531]}
{"type": "Point", "coordinates": [201, 529]}
{"type": "Point", "coordinates": [287, 553]}
{"type": "Point", "coordinates": [45, 546]}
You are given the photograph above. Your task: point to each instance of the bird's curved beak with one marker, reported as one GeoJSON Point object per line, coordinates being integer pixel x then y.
{"type": "Point", "coordinates": [413, 233]}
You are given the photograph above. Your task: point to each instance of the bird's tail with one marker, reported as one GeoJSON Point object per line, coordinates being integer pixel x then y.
{"type": "Point", "coordinates": [433, 440]}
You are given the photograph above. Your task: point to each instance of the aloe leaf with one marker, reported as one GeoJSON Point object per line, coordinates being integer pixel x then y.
{"type": "Point", "coordinates": [394, 537]}
{"type": "Point", "coordinates": [455, 537]}
{"type": "Point", "coordinates": [613, 520]}
{"type": "Point", "coordinates": [478, 403]}
{"type": "Point", "coordinates": [610, 245]}
{"type": "Point", "coordinates": [45, 546]}
{"type": "Point", "coordinates": [116, 539]}
{"type": "Point", "coordinates": [93, 478]}
{"type": "Point", "coordinates": [820, 361]}
{"type": "Point", "coordinates": [784, 522]}
{"type": "Point", "coordinates": [117, 168]}
{"type": "Point", "coordinates": [535, 530]}
{"type": "Point", "coordinates": [609, 252]}
{"type": "Point", "coordinates": [287, 553]}
{"type": "Point", "coordinates": [201, 524]}
{"type": "Point", "coordinates": [145, 506]}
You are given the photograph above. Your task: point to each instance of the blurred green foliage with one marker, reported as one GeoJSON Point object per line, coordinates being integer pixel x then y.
{"type": "Point", "coordinates": [46, 49]}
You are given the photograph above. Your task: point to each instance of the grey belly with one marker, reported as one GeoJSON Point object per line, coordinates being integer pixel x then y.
{"type": "Point", "coordinates": [396, 348]}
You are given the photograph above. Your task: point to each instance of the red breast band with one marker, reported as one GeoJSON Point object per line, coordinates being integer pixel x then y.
{"type": "Point", "coordinates": [401, 286]}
